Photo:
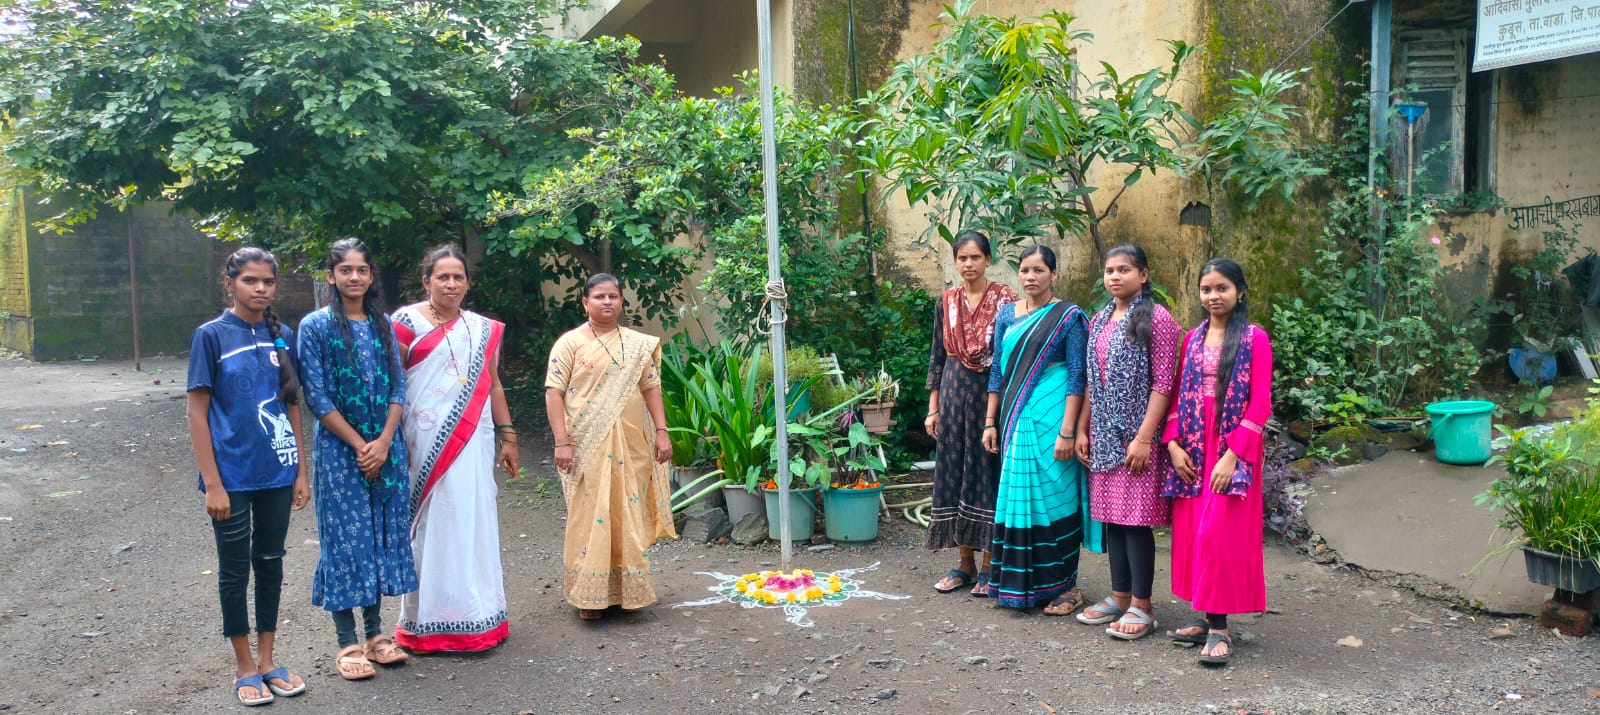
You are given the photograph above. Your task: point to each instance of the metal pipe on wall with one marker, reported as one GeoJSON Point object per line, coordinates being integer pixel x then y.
{"type": "Point", "coordinates": [133, 286]}
{"type": "Point", "coordinates": [1378, 137]}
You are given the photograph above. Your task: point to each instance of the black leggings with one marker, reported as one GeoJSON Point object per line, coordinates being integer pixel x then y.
{"type": "Point", "coordinates": [1133, 558]}
{"type": "Point", "coordinates": [251, 537]}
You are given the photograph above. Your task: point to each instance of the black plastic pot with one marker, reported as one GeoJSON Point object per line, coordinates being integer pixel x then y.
{"type": "Point", "coordinates": [1566, 573]}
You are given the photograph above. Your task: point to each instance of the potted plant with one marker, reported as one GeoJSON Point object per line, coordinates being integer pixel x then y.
{"type": "Point", "coordinates": [815, 445]}
{"type": "Point", "coordinates": [1538, 308]}
{"type": "Point", "coordinates": [850, 504]}
{"type": "Point", "coordinates": [726, 390]}
{"type": "Point", "coordinates": [879, 393]}
{"type": "Point", "coordinates": [1551, 500]}
{"type": "Point", "coordinates": [802, 371]}
{"type": "Point", "coordinates": [688, 427]}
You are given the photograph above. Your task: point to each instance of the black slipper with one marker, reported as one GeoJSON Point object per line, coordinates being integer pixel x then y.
{"type": "Point", "coordinates": [1212, 639]}
{"type": "Point", "coordinates": [966, 580]}
{"type": "Point", "coordinates": [1196, 638]}
{"type": "Point", "coordinates": [1069, 600]}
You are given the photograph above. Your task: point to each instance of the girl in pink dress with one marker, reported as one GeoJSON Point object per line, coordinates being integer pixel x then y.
{"type": "Point", "coordinates": [1133, 364]}
{"type": "Point", "coordinates": [1213, 436]}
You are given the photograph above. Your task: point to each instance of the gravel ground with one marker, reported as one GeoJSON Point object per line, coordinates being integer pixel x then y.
{"type": "Point", "coordinates": [108, 605]}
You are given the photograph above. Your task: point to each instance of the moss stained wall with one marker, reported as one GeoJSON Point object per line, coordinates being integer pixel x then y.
{"type": "Point", "coordinates": [16, 323]}
{"type": "Point", "coordinates": [1269, 239]}
{"type": "Point", "coordinates": [822, 57]}
{"type": "Point", "coordinates": [1272, 239]}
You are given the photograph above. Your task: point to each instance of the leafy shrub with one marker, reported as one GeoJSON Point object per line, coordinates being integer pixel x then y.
{"type": "Point", "coordinates": [1374, 322]}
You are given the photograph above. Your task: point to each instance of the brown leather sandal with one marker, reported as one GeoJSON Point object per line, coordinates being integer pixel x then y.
{"type": "Point", "coordinates": [382, 650]}
{"type": "Point", "coordinates": [591, 614]}
{"type": "Point", "coordinates": [353, 664]}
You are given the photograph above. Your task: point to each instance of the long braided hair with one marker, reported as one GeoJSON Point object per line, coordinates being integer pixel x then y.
{"type": "Point", "coordinates": [1139, 319]}
{"type": "Point", "coordinates": [288, 381]}
{"type": "Point", "coordinates": [371, 304]}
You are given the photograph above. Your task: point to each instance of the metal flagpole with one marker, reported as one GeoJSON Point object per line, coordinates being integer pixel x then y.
{"type": "Point", "coordinates": [775, 291]}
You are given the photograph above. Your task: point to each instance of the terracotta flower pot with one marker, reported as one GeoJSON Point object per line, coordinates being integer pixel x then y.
{"type": "Point", "coordinates": [876, 417]}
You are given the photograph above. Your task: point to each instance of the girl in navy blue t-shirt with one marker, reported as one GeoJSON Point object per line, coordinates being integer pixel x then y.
{"type": "Point", "coordinates": [244, 425]}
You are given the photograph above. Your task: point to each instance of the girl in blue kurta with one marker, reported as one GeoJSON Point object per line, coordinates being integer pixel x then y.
{"type": "Point", "coordinates": [355, 386]}
{"type": "Point", "coordinates": [1035, 390]}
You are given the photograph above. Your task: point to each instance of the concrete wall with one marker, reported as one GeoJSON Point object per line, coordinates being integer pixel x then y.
{"type": "Point", "coordinates": [1540, 142]}
{"type": "Point", "coordinates": [78, 285]}
{"type": "Point", "coordinates": [705, 43]}
{"type": "Point", "coordinates": [1543, 150]}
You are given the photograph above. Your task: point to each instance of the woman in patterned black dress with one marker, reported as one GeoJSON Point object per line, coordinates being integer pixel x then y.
{"type": "Point", "coordinates": [965, 476]}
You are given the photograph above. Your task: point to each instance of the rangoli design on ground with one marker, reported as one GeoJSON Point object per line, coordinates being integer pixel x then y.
{"type": "Point", "coordinates": [793, 591]}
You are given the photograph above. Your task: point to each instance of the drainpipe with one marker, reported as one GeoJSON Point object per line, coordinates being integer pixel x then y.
{"type": "Point", "coordinates": [1377, 136]}
{"type": "Point", "coordinates": [866, 211]}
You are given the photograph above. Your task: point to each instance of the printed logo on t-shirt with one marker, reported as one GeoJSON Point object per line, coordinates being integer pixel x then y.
{"type": "Point", "coordinates": [273, 356]}
{"type": "Point", "coordinates": [277, 427]}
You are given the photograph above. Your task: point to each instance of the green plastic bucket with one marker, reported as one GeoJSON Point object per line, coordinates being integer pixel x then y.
{"type": "Point", "coordinates": [851, 514]}
{"type": "Point", "coordinates": [802, 513]}
{"type": "Point", "coordinates": [1461, 430]}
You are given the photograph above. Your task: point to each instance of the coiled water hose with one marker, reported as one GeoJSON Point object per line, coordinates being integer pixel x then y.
{"type": "Point", "coordinates": [915, 511]}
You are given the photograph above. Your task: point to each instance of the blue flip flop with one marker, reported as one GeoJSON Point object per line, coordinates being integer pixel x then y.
{"type": "Point", "coordinates": [966, 580]}
{"type": "Point", "coordinates": [282, 673]}
{"type": "Point", "coordinates": [251, 681]}
{"type": "Point", "coordinates": [983, 580]}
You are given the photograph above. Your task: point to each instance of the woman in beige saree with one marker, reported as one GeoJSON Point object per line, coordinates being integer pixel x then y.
{"type": "Point", "coordinates": [603, 396]}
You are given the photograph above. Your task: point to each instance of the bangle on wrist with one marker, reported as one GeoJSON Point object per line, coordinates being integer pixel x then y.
{"type": "Point", "coordinates": [1066, 436]}
{"type": "Point", "coordinates": [661, 429]}
{"type": "Point", "coordinates": [559, 445]}
{"type": "Point", "coordinates": [935, 412]}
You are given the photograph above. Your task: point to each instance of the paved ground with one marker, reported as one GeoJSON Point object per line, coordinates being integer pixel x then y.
{"type": "Point", "coordinates": [1406, 513]}
{"type": "Point", "coordinates": [106, 606]}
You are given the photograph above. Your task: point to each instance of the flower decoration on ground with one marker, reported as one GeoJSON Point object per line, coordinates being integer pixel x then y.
{"type": "Point", "coordinates": [798, 586]}
{"type": "Point", "coordinates": [794, 591]}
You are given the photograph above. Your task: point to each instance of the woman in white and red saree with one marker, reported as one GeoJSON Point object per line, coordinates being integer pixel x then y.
{"type": "Point", "coordinates": [455, 410]}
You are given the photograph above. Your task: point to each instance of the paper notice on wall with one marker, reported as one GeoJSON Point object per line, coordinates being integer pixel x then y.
{"type": "Point", "coordinates": [1515, 32]}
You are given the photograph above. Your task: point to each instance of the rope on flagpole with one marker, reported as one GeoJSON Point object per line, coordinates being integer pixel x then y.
{"type": "Point", "coordinates": [777, 296]}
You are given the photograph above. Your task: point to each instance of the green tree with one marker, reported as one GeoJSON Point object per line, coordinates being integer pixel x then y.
{"type": "Point", "coordinates": [690, 165]}
{"type": "Point", "coordinates": [999, 128]}
{"type": "Point", "coordinates": [287, 123]}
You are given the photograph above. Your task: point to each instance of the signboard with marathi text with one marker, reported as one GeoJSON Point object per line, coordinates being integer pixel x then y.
{"type": "Point", "coordinates": [1515, 32]}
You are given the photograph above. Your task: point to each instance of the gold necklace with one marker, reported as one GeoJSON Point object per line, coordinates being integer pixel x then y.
{"type": "Point", "coordinates": [439, 323]}
{"type": "Point", "coordinates": [622, 348]}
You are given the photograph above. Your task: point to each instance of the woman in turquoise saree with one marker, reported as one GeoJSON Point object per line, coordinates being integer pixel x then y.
{"type": "Point", "coordinates": [1035, 392]}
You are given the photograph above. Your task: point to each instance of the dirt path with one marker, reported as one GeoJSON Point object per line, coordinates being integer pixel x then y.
{"type": "Point", "coordinates": [108, 606]}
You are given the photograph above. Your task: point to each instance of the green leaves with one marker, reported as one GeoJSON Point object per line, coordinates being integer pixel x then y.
{"type": "Point", "coordinates": [1408, 349]}
{"type": "Point", "coordinates": [998, 127]}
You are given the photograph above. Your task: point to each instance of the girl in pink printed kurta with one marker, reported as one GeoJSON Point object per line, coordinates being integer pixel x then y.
{"type": "Point", "coordinates": [1133, 352]}
{"type": "Point", "coordinates": [1214, 436]}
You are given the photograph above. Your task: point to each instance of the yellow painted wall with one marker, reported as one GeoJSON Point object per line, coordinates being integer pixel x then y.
{"type": "Point", "coordinates": [16, 313]}
{"type": "Point", "coordinates": [1130, 35]}
{"type": "Point", "coordinates": [705, 43]}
